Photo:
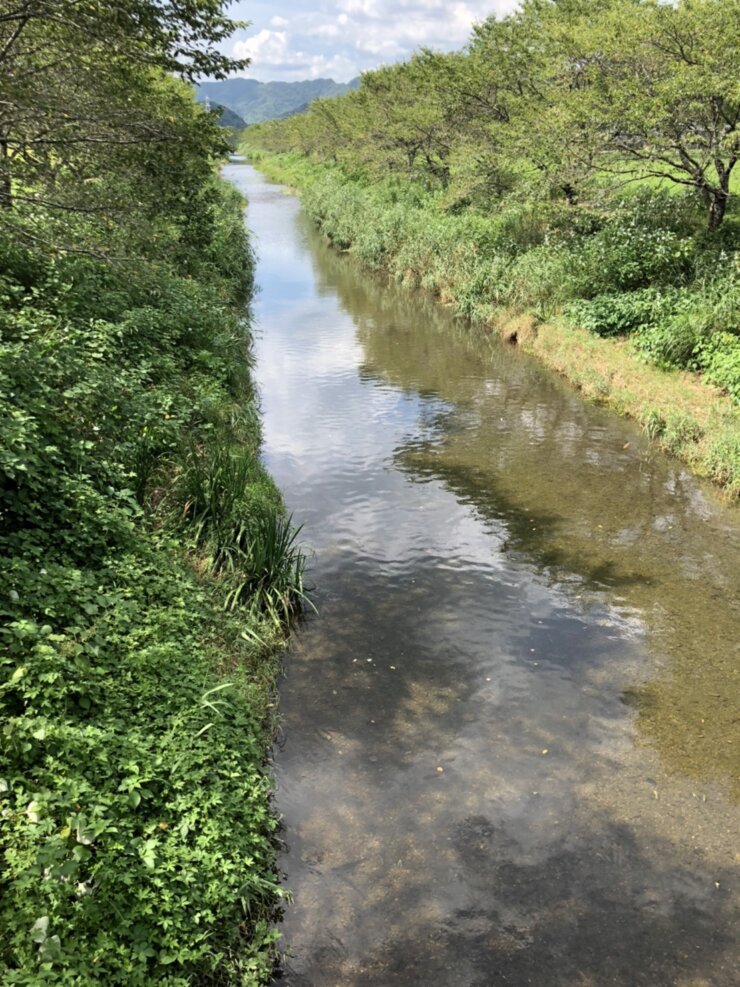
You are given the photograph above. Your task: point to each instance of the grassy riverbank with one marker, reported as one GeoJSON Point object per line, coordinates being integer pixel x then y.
{"type": "Point", "coordinates": [147, 573]}
{"type": "Point", "coordinates": [560, 292]}
{"type": "Point", "coordinates": [148, 567]}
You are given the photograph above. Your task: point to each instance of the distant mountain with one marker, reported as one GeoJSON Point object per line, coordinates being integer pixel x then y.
{"type": "Point", "coordinates": [228, 118]}
{"type": "Point", "coordinates": [256, 101]}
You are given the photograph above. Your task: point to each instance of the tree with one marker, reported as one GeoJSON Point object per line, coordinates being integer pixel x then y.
{"type": "Point", "coordinates": [507, 98]}
{"type": "Point", "coordinates": [84, 96]}
{"type": "Point", "coordinates": [406, 125]}
{"type": "Point", "coordinates": [655, 89]}
{"type": "Point", "coordinates": [556, 100]}
{"type": "Point", "coordinates": [567, 92]}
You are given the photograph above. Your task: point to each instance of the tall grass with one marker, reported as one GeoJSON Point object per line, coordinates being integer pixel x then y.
{"type": "Point", "coordinates": [222, 498]}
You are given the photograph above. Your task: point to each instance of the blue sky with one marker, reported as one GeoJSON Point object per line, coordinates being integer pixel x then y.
{"type": "Point", "coordinates": [338, 39]}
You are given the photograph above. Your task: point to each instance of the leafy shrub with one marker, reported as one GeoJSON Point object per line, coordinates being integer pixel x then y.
{"type": "Point", "coordinates": [620, 314]}
{"type": "Point", "coordinates": [669, 344]}
{"type": "Point", "coordinates": [718, 357]}
{"type": "Point", "coordinates": [659, 208]}
{"type": "Point", "coordinates": [626, 255]}
{"type": "Point", "coordinates": [568, 223]}
{"type": "Point", "coordinates": [138, 839]}
{"type": "Point", "coordinates": [132, 786]}
{"type": "Point", "coordinates": [692, 327]}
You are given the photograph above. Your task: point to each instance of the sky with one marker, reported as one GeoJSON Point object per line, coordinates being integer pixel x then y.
{"type": "Point", "coordinates": [289, 40]}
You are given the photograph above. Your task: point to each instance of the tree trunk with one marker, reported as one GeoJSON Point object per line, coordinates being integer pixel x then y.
{"type": "Point", "coordinates": [720, 196]}
{"type": "Point", "coordinates": [6, 188]}
{"type": "Point", "coordinates": [717, 209]}
{"type": "Point", "coordinates": [571, 196]}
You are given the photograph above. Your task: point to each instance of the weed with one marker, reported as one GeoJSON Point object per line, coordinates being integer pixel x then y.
{"type": "Point", "coordinates": [654, 423]}
{"type": "Point", "coordinates": [138, 838]}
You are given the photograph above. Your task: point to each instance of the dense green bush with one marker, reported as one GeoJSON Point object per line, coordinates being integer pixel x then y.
{"type": "Point", "coordinates": [718, 357]}
{"type": "Point", "coordinates": [696, 328]}
{"type": "Point", "coordinates": [137, 830]}
{"type": "Point", "coordinates": [137, 835]}
{"type": "Point", "coordinates": [627, 254]}
{"type": "Point", "coordinates": [671, 343]}
{"type": "Point", "coordinates": [620, 314]}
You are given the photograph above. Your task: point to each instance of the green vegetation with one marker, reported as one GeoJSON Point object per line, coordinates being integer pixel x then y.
{"type": "Point", "coordinates": [575, 164]}
{"type": "Point", "coordinates": [148, 565]}
{"type": "Point", "coordinates": [255, 101]}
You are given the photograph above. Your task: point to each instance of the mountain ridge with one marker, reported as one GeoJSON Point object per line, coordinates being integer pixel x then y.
{"type": "Point", "coordinates": [256, 101]}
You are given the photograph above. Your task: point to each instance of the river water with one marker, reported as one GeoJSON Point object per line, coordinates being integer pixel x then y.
{"type": "Point", "coordinates": [509, 749]}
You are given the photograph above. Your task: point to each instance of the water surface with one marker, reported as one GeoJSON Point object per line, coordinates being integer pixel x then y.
{"type": "Point", "coordinates": [509, 751]}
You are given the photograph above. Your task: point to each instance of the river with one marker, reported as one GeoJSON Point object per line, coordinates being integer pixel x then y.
{"type": "Point", "coordinates": [509, 748]}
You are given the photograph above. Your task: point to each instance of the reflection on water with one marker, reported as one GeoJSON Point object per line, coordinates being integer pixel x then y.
{"type": "Point", "coordinates": [510, 737]}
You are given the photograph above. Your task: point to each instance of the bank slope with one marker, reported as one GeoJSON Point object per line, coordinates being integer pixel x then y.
{"type": "Point", "coordinates": [140, 625]}
{"type": "Point", "coordinates": [541, 296]}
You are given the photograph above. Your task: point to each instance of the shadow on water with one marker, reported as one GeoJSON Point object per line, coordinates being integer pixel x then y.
{"type": "Point", "coordinates": [509, 870]}
{"type": "Point", "coordinates": [530, 533]}
{"type": "Point", "coordinates": [584, 497]}
{"type": "Point", "coordinates": [534, 924]}
{"type": "Point", "coordinates": [510, 735]}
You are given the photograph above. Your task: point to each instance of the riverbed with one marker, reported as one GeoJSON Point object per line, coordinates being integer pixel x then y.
{"type": "Point", "coordinates": [509, 745]}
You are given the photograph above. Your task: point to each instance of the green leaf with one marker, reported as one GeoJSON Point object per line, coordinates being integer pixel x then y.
{"type": "Point", "coordinates": [39, 929]}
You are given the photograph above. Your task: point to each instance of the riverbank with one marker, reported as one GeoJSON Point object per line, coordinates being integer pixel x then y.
{"type": "Point", "coordinates": [458, 258]}
{"type": "Point", "coordinates": [149, 572]}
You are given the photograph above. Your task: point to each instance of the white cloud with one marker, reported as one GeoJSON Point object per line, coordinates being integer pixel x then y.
{"type": "Point", "coordinates": [274, 55]}
{"type": "Point", "coordinates": [370, 8]}
{"type": "Point", "coordinates": [264, 48]}
{"type": "Point", "coordinates": [298, 39]}
{"type": "Point", "coordinates": [326, 31]}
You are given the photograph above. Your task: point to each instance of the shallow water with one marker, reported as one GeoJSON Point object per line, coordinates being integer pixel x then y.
{"type": "Point", "coordinates": [509, 751]}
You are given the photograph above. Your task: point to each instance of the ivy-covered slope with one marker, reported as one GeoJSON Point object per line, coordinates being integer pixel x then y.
{"type": "Point", "coordinates": [138, 620]}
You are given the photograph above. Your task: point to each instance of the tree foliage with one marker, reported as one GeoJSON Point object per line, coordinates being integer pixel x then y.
{"type": "Point", "coordinates": [561, 99]}
{"type": "Point", "coordinates": [655, 89]}
{"type": "Point", "coordinates": [92, 120]}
